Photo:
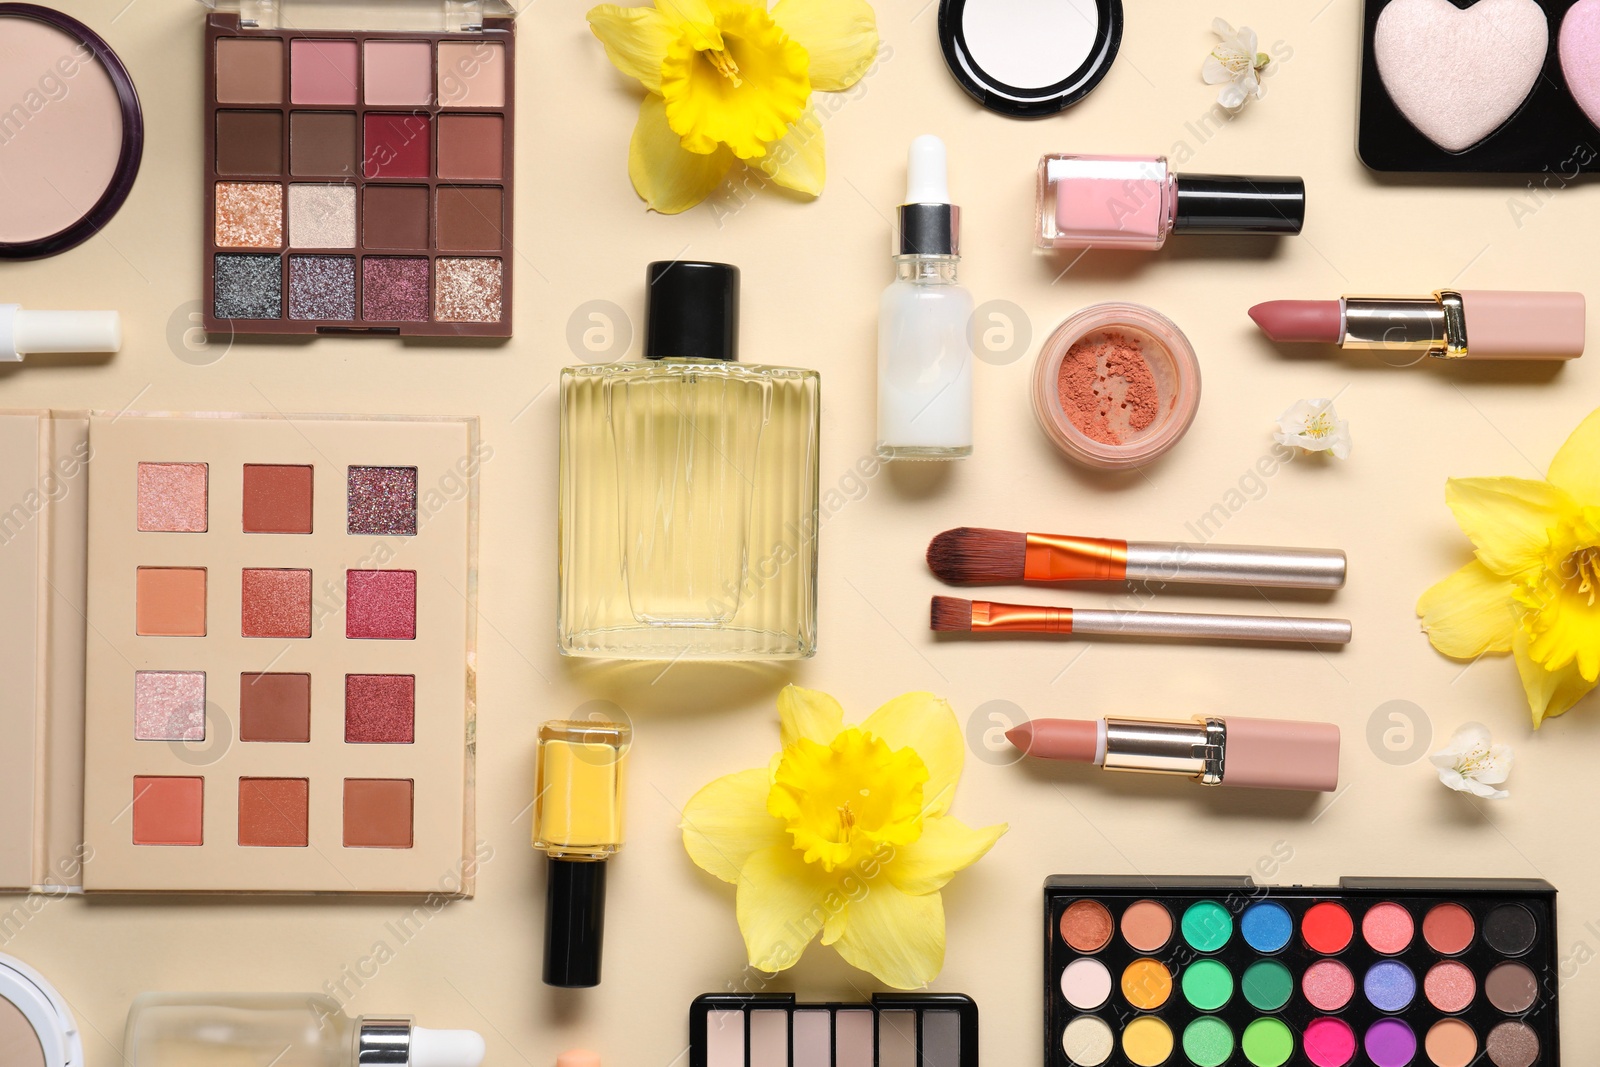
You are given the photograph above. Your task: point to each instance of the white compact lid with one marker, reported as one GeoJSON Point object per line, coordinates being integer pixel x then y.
{"type": "Point", "coordinates": [44, 1009]}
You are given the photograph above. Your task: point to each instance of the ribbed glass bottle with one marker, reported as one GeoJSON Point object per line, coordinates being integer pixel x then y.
{"type": "Point", "coordinates": [689, 505]}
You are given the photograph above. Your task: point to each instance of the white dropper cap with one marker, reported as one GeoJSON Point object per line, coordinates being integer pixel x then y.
{"type": "Point", "coordinates": [446, 1048]}
{"type": "Point", "coordinates": [927, 174]}
{"type": "Point", "coordinates": [24, 333]}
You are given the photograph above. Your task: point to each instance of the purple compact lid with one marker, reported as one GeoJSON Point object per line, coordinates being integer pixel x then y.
{"type": "Point", "coordinates": [71, 132]}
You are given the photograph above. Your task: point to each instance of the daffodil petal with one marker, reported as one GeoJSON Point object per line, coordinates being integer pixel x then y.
{"type": "Point", "coordinates": [947, 845]}
{"type": "Point", "coordinates": [841, 37]}
{"type": "Point", "coordinates": [1550, 693]}
{"type": "Point", "coordinates": [1470, 613]}
{"type": "Point", "coordinates": [695, 16]}
{"type": "Point", "coordinates": [1576, 467]}
{"type": "Point", "coordinates": [743, 96]}
{"type": "Point", "coordinates": [669, 178]}
{"type": "Point", "coordinates": [1508, 519]}
{"type": "Point", "coordinates": [782, 904]}
{"type": "Point", "coordinates": [808, 713]}
{"type": "Point", "coordinates": [635, 39]}
{"type": "Point", "coordinates": [927, 724]}
{"type": "Point", "coordinates": [727, 821]}
{"type": "Point", "coordinates": [896, 937]}
{"type": "Point", "coordinates": [796, 162]}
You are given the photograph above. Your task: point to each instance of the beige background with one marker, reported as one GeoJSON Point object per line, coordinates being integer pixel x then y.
{"type": "Point", "coordinates": [812, 274]}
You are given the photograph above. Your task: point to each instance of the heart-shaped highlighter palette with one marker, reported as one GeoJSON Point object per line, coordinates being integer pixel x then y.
{"type": "Point", "coordinates": [1457, 74]}
{"type": "Point", "coordinates": [1580, 55]}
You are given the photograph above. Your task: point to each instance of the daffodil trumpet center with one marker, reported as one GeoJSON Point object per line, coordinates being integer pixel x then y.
{"type": "Point", "coordinates": [1584, 566]}
{"type": "Point", "coordinates": [724, 64]}
{"type": "Point", "coordinates": [844, 801]}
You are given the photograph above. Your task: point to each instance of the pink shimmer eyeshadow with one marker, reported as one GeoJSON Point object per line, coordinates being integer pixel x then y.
{"type": "Point", "coordinates": [381, 605]}
{"type": "Point", "coordinates": [1450, 986]}
{"type": "Point", "coordinates": [169, 705]}
{"type": "Point", "coordinates": [1328, 985]}
{"type": "Point", "coordinates": [379, 709]}
{"type": "Point", "coordinates": [1106, 388]}
{"type": "Point", "coordinates": [275, 603]}
{"type": "Point", "coordinates": [1387, 927]}
{"type": "Point", "coordinates": [172, 497]}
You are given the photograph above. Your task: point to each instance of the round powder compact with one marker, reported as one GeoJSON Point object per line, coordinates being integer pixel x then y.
{"type": "Point", "coordinates": [36, 1026]}
{"type": "Point", "coordinates": [1115, 386]}
{"type": "Point", "coordinates": [71, 132]}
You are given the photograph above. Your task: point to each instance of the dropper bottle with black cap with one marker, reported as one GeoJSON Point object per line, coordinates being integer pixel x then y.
{"type": "Point", "coordinates": [689, 494]}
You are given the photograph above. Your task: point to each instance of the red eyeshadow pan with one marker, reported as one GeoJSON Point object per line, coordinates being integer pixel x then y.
{"type": "Point", "coordinates": [381, 605]}
{"type": "Point", "coordinates": [1327, 927]}
{"type": "Point", "coordinates": [397, 146]}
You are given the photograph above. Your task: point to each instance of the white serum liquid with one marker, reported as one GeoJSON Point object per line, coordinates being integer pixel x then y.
{"type": "Point", "coordinates": [925, 362]}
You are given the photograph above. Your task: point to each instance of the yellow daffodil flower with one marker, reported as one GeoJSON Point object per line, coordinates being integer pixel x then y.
{"type": "Point", "coordinates": [1534, 586]}
{"type": "Point", "coordinates": [845, 833]}
{"type": "Point", "coordinates": [729, 80]}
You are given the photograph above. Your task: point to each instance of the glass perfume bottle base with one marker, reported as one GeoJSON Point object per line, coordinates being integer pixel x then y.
{"type": "Point", "coordinates": [924, 451]}
{"type": "Point", "coordinates": [688, 643]}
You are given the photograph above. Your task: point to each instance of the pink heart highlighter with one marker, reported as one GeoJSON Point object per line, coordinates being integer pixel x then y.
{"type": "Point", "coordinates": [1580, 55]}
{"type": "Point", "coordinates": [1457, 74]}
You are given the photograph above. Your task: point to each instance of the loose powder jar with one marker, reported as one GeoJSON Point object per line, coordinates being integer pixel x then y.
{"type": "Point", "coordinates": [1116, 386]}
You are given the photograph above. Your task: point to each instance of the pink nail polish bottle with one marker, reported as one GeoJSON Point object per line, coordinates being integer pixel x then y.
{"type": "Point", "coordinates": [1135, 202]}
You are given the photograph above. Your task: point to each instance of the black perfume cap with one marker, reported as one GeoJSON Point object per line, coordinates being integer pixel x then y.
{"type": "Point", "coordinates": [692, 310]}
{"type": "Point", "coordinates": [574, 922]}
{"type": "Point", "coordinates": [1221, 203]}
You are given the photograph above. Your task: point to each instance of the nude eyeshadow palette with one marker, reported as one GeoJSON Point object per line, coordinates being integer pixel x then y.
{"type": "Point", "coordinates": [894, 1030]}
{"type": "Point", "coordinates": [1221, 972]}
{"type": "Point", "coordinates": [359, 181]}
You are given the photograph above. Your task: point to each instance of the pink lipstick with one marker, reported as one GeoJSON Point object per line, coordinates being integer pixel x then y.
{"type": "Point", "coordinates": [1257, 753]}
{"type": "Point", "coordinates": [1450, 324]}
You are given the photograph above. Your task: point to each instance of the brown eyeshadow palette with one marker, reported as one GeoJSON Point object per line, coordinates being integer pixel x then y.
{"type": "Point", "coordinates": [1221, 972]}
{"type": "Point", "coordinates": [359, 181]}
{"type": "Point", "coordinates": [894, 1030]}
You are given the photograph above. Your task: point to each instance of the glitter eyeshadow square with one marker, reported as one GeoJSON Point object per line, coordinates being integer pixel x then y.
{"type": "Point", "coordinates": [360, 182]}
{"type": "Point", "coordinates": [1214, 971]}
{"type": "Point", "coordinates": [276, 653]}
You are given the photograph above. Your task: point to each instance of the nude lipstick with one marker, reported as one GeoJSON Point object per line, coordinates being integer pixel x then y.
{"type": "Point", "coordinates": [1450, 324]}
{"type": "Point", "coordinates": [1255, 753]}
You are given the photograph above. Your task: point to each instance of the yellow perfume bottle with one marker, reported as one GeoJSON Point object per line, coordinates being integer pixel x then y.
{"type": "Point", "coordinates": [689, 499]}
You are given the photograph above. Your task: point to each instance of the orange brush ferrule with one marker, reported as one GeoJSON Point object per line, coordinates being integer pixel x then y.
{"type": "Point", "coordinates": [1020, 618]}
{"type": "Point", "coordinates": [1055, 558]}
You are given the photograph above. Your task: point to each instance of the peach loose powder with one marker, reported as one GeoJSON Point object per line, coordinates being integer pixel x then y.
{"type": "Point", "coordinates": [1106, 387]}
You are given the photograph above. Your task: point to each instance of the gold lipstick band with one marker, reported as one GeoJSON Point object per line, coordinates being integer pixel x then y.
{"type": "Point", "coordinates": [1435, 326]}
{"type": "Point", "coordinates": [1020, 618]}
{"type": "Point", "coordinates": [1056, 558]}
{"type": "Point", "coordinates": [1193, 749]}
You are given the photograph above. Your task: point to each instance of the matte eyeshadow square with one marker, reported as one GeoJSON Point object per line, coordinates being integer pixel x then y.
{"type": "Point", "coordinates": [249, 215]}
{"type": "Point", "coordinates": [399, 73]}
{"type": "Point", "coordinates": [249, 71]}
{"type": "Point", "coordinates": [381, 605]}
{"type": "Point", "coordinates": [322, 72]}
{"type": "Point", "coordinates": [170, 602]}
{"type": "Point", "coordinates": [472, 74]}
{"type": "Point", "coordinates": [395, 216]}
{"type": "Point", "coordinates": [470, 219]}
{"type": "Point", "coordinates": [275, 602]}
{"type": "Point", "coordinates": [172, 497]}
{"type": "Point", "coordinates": [380, 709]}
{"type": "Point", "coordinates": [397, 146]}
{"type": "Point", "coordinates": [169, 705]}
{"type": "Point", "coordinates": [275, 708]}
{"type": "Point", "coordinates": [168, 810]}
{"type": "Point", "coordinates": [274, 812]}
{"type": "Point", "coordinates": [472, 147]}
{"type": "Point", "coordinates": [382, 501]}
{"type": "Point", "coordinates": [377, 812]}
{"type": "Point", "coordinates": [247, 287]}
{"type": "Point", "coordinates": [322, 288]}
{"type": "Point", "coordinates": [249, 142]}
{"type": "Point", "coordinates": [322, 144]}
{"type": "Point", "coordinates": [277, 498]}
{"type": "Point", "coordinates": [394, 289]}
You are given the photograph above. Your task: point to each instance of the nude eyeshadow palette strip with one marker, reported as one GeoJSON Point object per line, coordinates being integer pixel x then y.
{"type": "Point", "coordinates": [893, 1030]}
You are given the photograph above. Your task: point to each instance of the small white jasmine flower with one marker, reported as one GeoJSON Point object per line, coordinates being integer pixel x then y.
{"type": "Point", "coordinates": [1234, 64]}
{"type": "Point", "coordinates": [1473, 763]}
{"type": "Point", "coordinates": [1315, 426]}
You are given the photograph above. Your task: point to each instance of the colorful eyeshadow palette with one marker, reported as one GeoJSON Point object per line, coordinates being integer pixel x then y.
{"type": "Point", "coordinates": [1492, 86]}
{"type": "Point", "coordinates": [1207, 972]}
{"type": "Point", "coordinates": [277, 692]}
{"type": "Point", "coordinates": [895, 1030]}
{"type": "Point", "coordinates": [360, 181]}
